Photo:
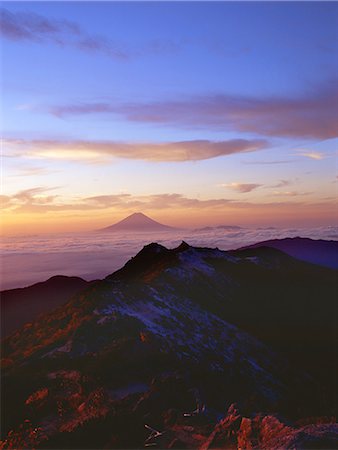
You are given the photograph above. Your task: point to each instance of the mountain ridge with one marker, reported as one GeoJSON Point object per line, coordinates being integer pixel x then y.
{"type": "Point", "coordinates": [140, 263]}
{"type": "Point", "coordinates": [316, 251]}
{"type": "Point", "coordinates": [155, 354]}
{"type": "Point", "coordinates": [22, 305]}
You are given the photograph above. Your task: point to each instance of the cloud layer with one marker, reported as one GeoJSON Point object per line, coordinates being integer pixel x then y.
{"type": "Point", "coordinates": [95, 255]}
{"type": "Point", "coordinates": [156, 152]}
{"type": "Point", "coordinates": [312, 115]}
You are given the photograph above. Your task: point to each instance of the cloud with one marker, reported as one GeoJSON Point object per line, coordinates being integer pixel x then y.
{"type": "Point", "coordinates": [285, 161]}
{"type": "Point", "coordinates": [32, 27]}
{"type": "Point", "coordinates": [82, 108]}
{"type": "Point", "coordinates": [155, 201]}
{"type": "Point", "coordinates": [282, 183]}
{"type": "Point", "coordinates": [28, 194]}
{"type": "Point", "coordinates": [311, 115]}
{"type": "Point", "coordinates": [94, 255]}
{"type": "Point", "coordinates": [41, 210]}
{"type": "Point", "coordinates": [285, 193]}
{"type": "Point", "coordinates": [289, 193]}
{"type": "Point", "coordinates": [36, 200]}
{"type": "Point", "coordinates": [33, 171]}
{"type": "Point", "coordinates": [27, 26]}
{"type": "Point", "coordinates": [104, 151]}
{"type": "Point", "coordinates": [243, 188]}
{"type": "Point", "coordinates": [313, 155]}
{"type": "Point", "coordinates": [29, 199]}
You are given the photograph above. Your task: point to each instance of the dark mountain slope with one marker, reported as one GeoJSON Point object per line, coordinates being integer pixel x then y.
{"type": "Point", "coordinates": [321, 252]}
{"type": "Point", "coordinates": [263, 291]}
{"type": "Point", "coordinates": [155, 347]}
{"type": "Point", "coordinates": [20, 306]}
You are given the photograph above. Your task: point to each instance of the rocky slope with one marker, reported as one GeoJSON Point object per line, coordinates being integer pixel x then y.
{"type": "Point", "coordinates": [158, 351]}
{"type": "Point", "coordinates": [19, 306]}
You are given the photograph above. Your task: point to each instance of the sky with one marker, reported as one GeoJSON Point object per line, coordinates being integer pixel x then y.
{"type": "Point", "coordinates": [194, 113]}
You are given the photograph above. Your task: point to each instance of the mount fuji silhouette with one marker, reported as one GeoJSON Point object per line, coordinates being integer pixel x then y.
{"type": "Point", "coordinates": [138, 222]}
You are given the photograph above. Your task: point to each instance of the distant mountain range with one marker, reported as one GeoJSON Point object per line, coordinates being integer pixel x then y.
{"type": "Point", "coordinates": [182, 348]}
{"type": "Point", "coordinates": [321, 252]}
{"type": "Point", "coordinates": [137, 222]}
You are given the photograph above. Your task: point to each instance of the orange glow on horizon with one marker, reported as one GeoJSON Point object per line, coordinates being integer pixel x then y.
{"type": "Point", "coordinates": [279, 214]}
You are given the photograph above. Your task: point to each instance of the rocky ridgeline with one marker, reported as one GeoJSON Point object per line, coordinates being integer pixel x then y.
{"type": "Point", "coordinates": [154, 354]}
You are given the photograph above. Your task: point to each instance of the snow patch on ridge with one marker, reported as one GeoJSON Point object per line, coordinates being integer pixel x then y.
{"type": "Point", "coordinates": [192, 332]}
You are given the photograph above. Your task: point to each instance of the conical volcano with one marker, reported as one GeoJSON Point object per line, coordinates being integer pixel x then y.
{"type": "Point", "coordinates": [138, 222]}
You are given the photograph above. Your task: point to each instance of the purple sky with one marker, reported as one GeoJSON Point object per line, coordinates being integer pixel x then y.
{"type": "Point", "coordinates": [196, 113]}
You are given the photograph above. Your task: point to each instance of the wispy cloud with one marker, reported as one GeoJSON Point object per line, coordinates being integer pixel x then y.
{"type": "Point", "coordinates": [32, 27]}
{"type": "Point", "coordinates": [27, 26]}
{"type": "Point", "coordinates": [284, 193]}
{"type": "Point", "coordinates": [104, 151]}
{"type": "Point", "coordinates": [33, 192]}
{"type": "Point", "coordinates": [258, 163]}
{"type": "Point", "coordinates": [289, 193]}
{"type": "Point", "coordinates": [32, 172]}
{"type": "Point", "coordinates": [29, 198]}
{"type": "Point", "coordinates": [37, 200]}
{"type": "Point", "coordinates": [313, 155]}
{"type": "Point", "coordinates": [40, 205]}
{"type": "Point", "coordinates": [242, 188]}
{"type": "Point", "coordinates": [311, 115]}
{"type": "Point", "coordinates": [157, 201]}
{"type": "Point", "coordinates": [281, 183]}
{"type": "Point", "coordinates": [82, 108]}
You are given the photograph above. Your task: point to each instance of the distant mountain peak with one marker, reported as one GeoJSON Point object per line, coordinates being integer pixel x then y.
{"type": "Point", "coordinates": [153, 248]}
{"type": "Point", "coordinates": [138, 222]}
{"type": "Point", "coordinates": [151, 256]}
{"type": "Point", "coordinates": [182, 247]}
{"type": "Point", "coordinates": [137, 215]}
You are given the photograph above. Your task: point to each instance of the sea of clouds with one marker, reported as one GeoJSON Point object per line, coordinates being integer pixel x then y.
{"type": "Point", "coordinates": [29, 259]}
